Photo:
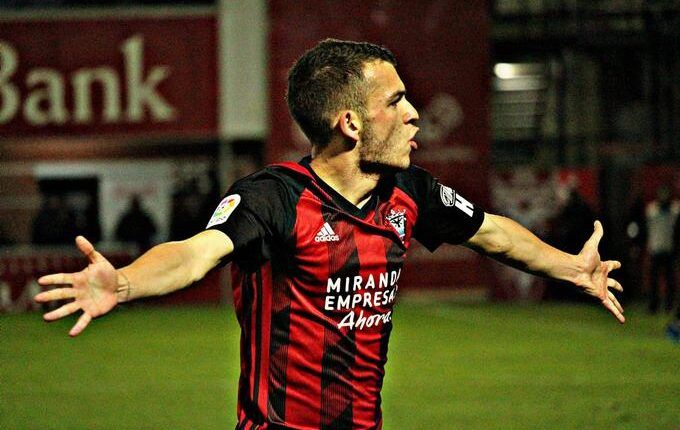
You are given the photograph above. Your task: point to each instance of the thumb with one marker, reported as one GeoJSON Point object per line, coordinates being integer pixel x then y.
{"type": "Point", "coordinates": [88, 250]}
{"type": "Point", "coordinates": [595, 238]}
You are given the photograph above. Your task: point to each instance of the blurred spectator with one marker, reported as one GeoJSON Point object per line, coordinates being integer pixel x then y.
{"type": "Point", "coordinates": [573, 223]}
{"type": "Point", "coordinates": [24, 301]}
{"type": "Point", "coordinates": [187, 210]}
{"type": "Point", "coordinates": [673, 328]}
{"type": "Point", "coordinates": [570, 229]}
{"type": "Point", "coordinates": [54, 224]}
{"type": "Point", "coordinates": [636, 241]}
{"type": "Point", "coordinates": [636, 226]}
{"type": "Point", "coordinates": [136, 226]}
{"type": "Point", "coordinates": [662, 219]}
{"type": "Point", "coordinates": [5, 298]}
{"type": "Point", "coordinates": [193, 205]}
{"type": "Point", "coordinates": [86, 220]}
{"type": "Point", "coordinates": [213, 194]}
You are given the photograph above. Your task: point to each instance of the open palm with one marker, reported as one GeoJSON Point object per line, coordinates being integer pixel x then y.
{"type": "Point", "coordinates": [93, 289]}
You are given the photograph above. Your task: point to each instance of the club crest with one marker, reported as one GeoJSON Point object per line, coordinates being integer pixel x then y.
{"type": "Point", "coordinates": [397, 218]}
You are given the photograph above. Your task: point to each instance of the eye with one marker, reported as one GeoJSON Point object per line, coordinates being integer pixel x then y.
{"type": "Point", "coordinates": [396, 100]}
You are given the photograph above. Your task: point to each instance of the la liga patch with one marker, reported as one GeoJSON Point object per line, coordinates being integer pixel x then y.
{"type": "Point", "coordinates": [224, 209]}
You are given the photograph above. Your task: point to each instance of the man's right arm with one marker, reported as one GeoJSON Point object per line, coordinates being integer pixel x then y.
{"type": "Point", "coordinates": [163, 269]}
{"type": "Point", "coordinates": [171, 266]}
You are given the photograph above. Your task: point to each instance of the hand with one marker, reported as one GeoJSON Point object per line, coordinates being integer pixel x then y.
{"type": "Point", "coordinates": [594, 278]}
{"type": "Point", "coordinates": [93, 289]}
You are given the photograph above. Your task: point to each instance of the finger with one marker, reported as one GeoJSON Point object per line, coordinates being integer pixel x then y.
{"type": "Point", "coordinates": [604, 267]}
{"type": "Point", "coordinates": [594, 239]}
{"type": "Point", "coordinates": [613, 264]}
{"type": "Point", "coordinates": [82, 322]}
{"type": "Point", "coordinates": [613, 283]}
{"type": "Point", "coordinates": [56, 294]}
{"type": "Point", "coordinates": [613, 310]}
{"type": "Point", "coordinates": [87, 249]}
{"type": "Point", "coordinates": [61, 312]}
{"type": "Point", "coordinates": [56, 278]}
{"type": "Point", "coordinates": [614, 300]}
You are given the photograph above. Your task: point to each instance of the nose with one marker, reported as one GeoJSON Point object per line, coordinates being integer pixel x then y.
{"type": "Point", "coordinates": [411, 114]}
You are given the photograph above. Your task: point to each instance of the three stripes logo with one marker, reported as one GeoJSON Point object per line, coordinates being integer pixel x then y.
{"type": "Point", "coordinates": [326, 234]}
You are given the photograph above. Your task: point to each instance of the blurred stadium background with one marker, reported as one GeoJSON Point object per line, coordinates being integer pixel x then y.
{"type": "Point", "coordinates": [553, 112]}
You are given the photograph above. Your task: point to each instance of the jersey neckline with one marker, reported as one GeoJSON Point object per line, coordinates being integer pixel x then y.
{"type": "Point", "coordinates": [337, 198]}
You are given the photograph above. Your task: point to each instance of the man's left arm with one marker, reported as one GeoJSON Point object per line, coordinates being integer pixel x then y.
{"type": "Point", "coordinates": [508, 242]}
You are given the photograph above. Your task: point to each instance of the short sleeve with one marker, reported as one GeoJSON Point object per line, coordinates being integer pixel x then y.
{"type": "Point", "coordinates": [254, 214]}
{"type": "Point", "coordinates": [444, 215]}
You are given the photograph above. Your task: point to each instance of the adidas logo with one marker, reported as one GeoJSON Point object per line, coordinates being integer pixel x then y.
{"type": "Point", "coordinates": [326, 234]}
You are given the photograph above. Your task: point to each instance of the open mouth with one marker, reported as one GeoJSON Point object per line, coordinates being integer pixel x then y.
{"type": "Point", "coordinates": [412, 143]}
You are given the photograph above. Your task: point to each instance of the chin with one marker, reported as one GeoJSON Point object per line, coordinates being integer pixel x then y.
{"type": "Point", "coordinates": [384, 166]}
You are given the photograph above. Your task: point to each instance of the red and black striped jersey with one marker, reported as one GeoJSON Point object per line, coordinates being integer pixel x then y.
{"type": "Point", "coordinates": [315, 280]}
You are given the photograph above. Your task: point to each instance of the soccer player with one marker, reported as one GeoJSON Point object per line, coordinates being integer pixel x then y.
{"type": "Point", "coordinates": [317, 248]}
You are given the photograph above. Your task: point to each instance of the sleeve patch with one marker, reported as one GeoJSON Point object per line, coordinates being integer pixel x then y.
{"type": "Point", "coordinates": [224, 210]}
{"type": "Point", "coordinates": [448, 196]}
{"type": "Point", "coordinates": [451, 198]}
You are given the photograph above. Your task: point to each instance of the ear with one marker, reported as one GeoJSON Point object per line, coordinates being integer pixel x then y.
{"type": "Point", "coordinates": [349, 124]}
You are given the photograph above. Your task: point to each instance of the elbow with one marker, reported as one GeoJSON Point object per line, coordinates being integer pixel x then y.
{"type": "Point", "coordinates": [498, 240]}
{"type": "Point", "coordinates": [501, 245]}
{"type": "Point", "coordinates": [495, 245]}
{"type": "Point", "coordinates": [184, 265]}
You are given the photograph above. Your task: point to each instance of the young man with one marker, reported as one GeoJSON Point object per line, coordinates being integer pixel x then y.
{"type": "Point", "coordinates": [317, 248]}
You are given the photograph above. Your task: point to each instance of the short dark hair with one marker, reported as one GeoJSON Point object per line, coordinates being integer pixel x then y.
{"type": "Point", "coordinates": [328, 78]}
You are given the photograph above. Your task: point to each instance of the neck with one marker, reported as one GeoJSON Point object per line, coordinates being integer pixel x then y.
{"type": "Point", "coordinates": [341, 172]}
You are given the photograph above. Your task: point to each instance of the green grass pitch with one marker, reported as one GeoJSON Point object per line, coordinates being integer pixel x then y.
{"type": "Point", "coordinates": [451, 366]}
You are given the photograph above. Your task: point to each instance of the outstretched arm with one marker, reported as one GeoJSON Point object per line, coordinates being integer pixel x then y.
{"type": "Point", "coordinates": [163, 269]}
{"type": "Point", "coordinates": [508, 242]}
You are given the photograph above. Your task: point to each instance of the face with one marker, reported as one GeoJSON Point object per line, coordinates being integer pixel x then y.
{"type": "Point", "coordinates": [389, 127]}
